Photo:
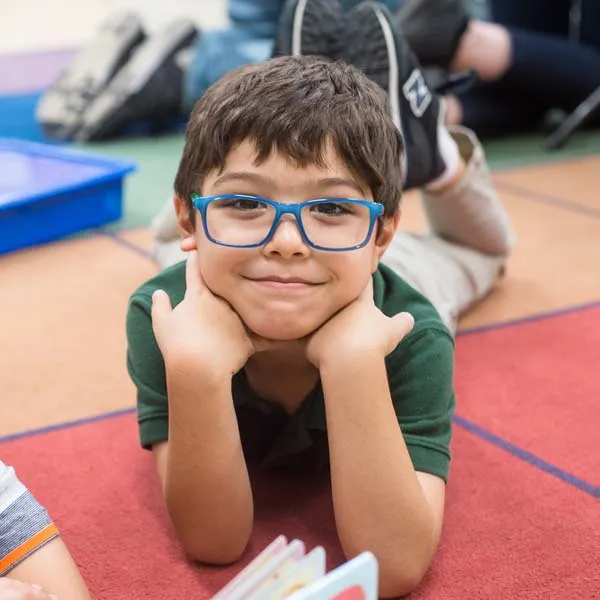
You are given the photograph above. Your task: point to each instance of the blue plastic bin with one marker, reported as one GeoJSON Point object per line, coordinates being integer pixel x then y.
{"type": "Point", "coordinates": [48, 192]}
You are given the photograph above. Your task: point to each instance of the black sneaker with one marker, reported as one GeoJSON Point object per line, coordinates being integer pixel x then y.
{"type": "Point", "coordinates": [147, 89]}
{"type": "Point", "coordinates": [376, 46]}
{"type": "Point", "coordinates": [61, 108]}
{"type": "Point", "coordinates": [310, 27]}
{"type": "Point", "coordinates": [433, 28]}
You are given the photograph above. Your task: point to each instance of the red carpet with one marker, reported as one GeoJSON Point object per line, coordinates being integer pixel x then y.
{"type": "Point", "coordinates": [512, 531]}
{"type": "Point", "coordinates": [537, 385]}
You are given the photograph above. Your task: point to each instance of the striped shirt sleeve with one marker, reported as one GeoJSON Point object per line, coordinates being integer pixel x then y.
{"type": "Point", "coordinates": [25, 526]}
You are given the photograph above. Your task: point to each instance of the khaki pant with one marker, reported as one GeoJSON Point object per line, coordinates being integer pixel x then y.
{"type": "Point", "coordinates": [455, 264]}
{"type": "Point", "coordinates": [458, 261]}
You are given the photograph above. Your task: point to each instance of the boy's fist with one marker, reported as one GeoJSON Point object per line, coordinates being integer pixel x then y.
{"type": "Point", "coordinates": [202, 332]}
{"type": "Point", "coordinates": [358, 329]}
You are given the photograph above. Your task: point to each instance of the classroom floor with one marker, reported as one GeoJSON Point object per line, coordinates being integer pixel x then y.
{"type": "Point", "coordinates": [523, 517]}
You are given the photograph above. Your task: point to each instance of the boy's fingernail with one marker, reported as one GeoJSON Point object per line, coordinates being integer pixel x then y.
{"type": "Point", "coordinates": [53, 597]}
{"type": "Point", "coordinates": [37, 587]}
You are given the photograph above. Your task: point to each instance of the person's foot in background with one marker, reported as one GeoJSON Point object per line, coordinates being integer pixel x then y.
{"type": "Point", "coordinates": [120, 79]}
{"type": "Point", "coordinates": [149, 88]}
{"type": "Point", "coordinates": [369, 38]}
{"type": "Point", "coordinates": [61, 108]}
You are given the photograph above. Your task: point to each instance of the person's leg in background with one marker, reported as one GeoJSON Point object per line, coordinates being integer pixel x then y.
{"type": "Point", "coordinates": [493, 107]}
{"type": "Point", "coordinates": [543, 68]}
{"type": "Point", "coordinates": [253, 26]}
{"type": "Point", "coordinates": [458, 262]}
{"type": "Point", "coordinates": [589, 27]}
{"type": "Point", "coordinates": [543, 16]}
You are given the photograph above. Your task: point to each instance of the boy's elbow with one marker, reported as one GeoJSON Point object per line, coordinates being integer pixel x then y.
{"type": "Point", "coordinates": [400, 573]}
{"type": "Point", "coordinates": [214, 542]}
{"type": "Point", "coordinates": [400, 583]}
{"type": "Point", "coordinates": [215, 552]}
{"type": "Point", "coordinates": [207, 537]}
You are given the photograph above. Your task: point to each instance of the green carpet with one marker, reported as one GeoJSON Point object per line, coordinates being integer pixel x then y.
{"type": "Point", "coordinates": [147, 190]}
{"type": "Point", "coordinates": [157, 159]}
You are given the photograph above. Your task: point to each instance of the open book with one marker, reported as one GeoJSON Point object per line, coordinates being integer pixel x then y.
{"type": "Point", "coordinates": [285, 570]}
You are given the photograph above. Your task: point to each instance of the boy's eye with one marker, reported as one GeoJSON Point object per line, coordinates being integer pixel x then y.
{"type": "Point", "coordinates": [332, 209]}
{"type": "Point", "coordinates": [243, 204]}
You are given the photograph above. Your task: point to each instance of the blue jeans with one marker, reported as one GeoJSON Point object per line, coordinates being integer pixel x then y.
{"type": "Point", "coordinates": [548, 69]}
{"type": "Point", "coordinates": [249, 39]}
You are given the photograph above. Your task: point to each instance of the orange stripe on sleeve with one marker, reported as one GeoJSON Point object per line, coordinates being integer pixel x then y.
{"type": "Point", "coordinates": [27, 547]}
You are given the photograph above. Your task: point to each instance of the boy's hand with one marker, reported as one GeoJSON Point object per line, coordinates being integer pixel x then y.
{"type": "Point", "coordinates": [11, 589]}
{"type": "Point", "coordinates": [357, 330]}
{"type": "Point", "coordinates": [202, 332]}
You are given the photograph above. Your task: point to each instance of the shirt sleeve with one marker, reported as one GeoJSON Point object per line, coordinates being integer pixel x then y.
{"type": "Point", "coordinates": [147, 370]}
{"type": "Point", "coordinates": [420, 374]}
{"type": "Point", "coordinates": [24, 525]}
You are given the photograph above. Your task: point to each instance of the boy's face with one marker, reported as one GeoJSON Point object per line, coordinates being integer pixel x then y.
{"type": "Point", "coordinates": [255, 281]}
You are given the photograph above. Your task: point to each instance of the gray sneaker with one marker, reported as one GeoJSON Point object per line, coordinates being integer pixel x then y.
{"type": "Point", "coordinates": [61, 108]}
{"type": "Point", "coordinates": [433, 28]}
{"type": "Point", "coordinates": [376, 45]}
{"type": "Point", "coordinates": [310, 27]}
{"type": "Point", "coordinates": [148, 88]}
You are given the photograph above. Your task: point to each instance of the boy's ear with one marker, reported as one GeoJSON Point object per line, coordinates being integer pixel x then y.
{"type": "Point", "coordinates": [387, 229]}
{"type": "Point", "coordinates": [185, 222]}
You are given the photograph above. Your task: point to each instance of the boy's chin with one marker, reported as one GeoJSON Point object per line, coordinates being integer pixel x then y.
{"type": "Point", "coordinates": [282, 332]}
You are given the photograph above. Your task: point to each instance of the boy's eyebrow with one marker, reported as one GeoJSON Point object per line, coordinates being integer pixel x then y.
{"type": "Point", "coordinates": [257, 178]}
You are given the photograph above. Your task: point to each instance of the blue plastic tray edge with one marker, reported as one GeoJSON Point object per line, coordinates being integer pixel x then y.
{"type": "Point", "coordinates": [122, 168]}
{"type": "Point", "coordinates": [64, 152]}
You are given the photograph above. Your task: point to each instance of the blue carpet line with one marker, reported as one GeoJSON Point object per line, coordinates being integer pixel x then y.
{"type": "Point", "coordinates": [115, 237]}
{"type": "Point", "coordinates": [476, 430]}
{"type": "Point", "coordinates": [547, 199]}
{"type": "Point", "coordinates": [529, 318]}
{"type": "Point", "coordinates": [528, 457]}
{"type": "Point", "coordinates": [67, 425]}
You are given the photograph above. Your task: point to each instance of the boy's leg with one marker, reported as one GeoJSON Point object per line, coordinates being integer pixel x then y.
{"type": "Point", "coordinates": [458, 262]}
{"type": "Point", "coordinates": [469, 213]}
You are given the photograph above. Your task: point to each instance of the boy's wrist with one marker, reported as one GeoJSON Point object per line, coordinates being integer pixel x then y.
{"type": "Point", "coordinates": [194, 374]}
{"type": "Point", "coordinates": [348, 362]}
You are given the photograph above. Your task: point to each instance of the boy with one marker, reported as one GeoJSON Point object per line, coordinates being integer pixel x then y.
{"type": "Point", "coordinates": [33, 559]}
{"type": "Point", "coordinates": [289, 343]}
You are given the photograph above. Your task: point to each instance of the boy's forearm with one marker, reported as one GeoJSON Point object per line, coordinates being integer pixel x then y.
{"type": "Point", "coordinates": [378, 501]}
{"type": "Point", "coordinates": [53, 568]}
{"type": "Point", "coordinates": [206, 484]}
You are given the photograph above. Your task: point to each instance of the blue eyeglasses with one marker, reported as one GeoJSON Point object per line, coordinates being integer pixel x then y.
{"type": "Point", "coordinates": [332, 224]}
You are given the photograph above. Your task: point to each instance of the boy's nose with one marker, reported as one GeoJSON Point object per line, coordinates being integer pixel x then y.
{"type": "Point", "coordinates": [287, 241]}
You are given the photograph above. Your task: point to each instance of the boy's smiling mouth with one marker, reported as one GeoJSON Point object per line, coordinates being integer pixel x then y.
{"type": "Point", "coordinates": [282, 282]}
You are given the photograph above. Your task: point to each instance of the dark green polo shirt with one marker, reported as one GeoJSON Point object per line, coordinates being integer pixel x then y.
{"type": "Point", "coordinates": [420, 375]}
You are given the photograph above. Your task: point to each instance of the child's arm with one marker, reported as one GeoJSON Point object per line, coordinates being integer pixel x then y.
{"type": "Point", "coordinates": [201, 466]}
{"type": "Point", "coordinates": [52, 568]}
{"type": "Point", "coordinates": [381, 502]}
{"type": "Point", "coordinates": [202, 470]}
{"type": "Point", "coordinates": [30, 549]}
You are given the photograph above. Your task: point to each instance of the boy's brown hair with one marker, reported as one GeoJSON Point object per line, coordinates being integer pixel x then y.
{"type": "Point", "coordinates": [294, 105]}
